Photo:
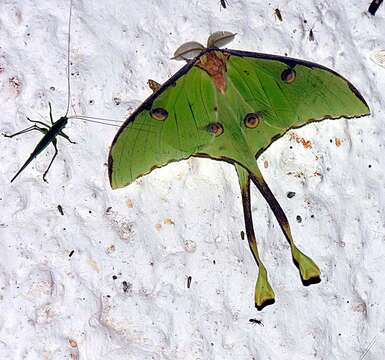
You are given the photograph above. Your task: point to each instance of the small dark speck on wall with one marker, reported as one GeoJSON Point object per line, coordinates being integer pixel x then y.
{"type": "Point", "coordinates": [290, 194]}
{"type": "Point", "coordinates": [60, 208]}
{"type": "Point", "coordinates": [126, 286]}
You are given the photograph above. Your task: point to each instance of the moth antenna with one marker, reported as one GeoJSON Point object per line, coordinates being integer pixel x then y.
{"type": "Point", "coordinates": [68, 60]}
{"type": "Point", "coordinates": [220, 38]}
{"type": "Point", "coordinates": [188, 51]}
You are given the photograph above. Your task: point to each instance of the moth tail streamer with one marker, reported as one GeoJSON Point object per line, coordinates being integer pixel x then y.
{"type": "Point", "coordinates": [264, 294]}
{"type": "Point", "coordinates": [309, 271]}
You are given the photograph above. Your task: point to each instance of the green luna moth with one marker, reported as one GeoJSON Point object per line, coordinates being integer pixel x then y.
{"type": "Point", "coordinates": [231, 105]}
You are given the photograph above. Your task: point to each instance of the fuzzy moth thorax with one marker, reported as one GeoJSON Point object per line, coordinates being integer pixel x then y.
{"type": "Point", "coordinates": [214, 63]}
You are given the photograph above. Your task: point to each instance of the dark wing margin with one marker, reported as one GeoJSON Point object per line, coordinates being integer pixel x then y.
{"type": "Point", "coordinates": [289, 62]}
{"type": "Point", "coordinates": [146, 105]}
{"type": "Point", "coordinates": [292, 62]}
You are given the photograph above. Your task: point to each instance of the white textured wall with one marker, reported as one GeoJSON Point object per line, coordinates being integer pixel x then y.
{"type": "Point", "coordinates": [53, 306]}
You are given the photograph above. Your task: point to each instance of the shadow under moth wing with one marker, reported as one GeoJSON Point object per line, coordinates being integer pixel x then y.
{"type": "Point", "coordinates": [231, 105]}
{"type": "Point", "coordinates": [373, 7]}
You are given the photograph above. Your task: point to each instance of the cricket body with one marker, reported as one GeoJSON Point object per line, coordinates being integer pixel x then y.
{"type": "Point", "coordinates": [231, 105]}
{"type": "Point", "coordinates": [55, 129]}
{"type": "Point", "coordinates": [50, 131]}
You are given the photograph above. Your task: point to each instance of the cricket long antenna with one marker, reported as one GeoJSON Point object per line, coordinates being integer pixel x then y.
{"type": "Point", "coordinates": [68, 61]}
{"type": "Point", "coordinates": [80, 117]}
{"type": "Point", "coordinates": [96, 120]}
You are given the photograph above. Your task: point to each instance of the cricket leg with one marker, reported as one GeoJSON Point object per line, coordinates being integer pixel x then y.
{"type": "Point", "coordinates": [28, 129]}
{"type": "Point", "coordinates": [54, 143]}
{"type": "Point", "coordinates": [39, 122]}
{"type": "Point", "coordinates": [50, 112]}
{"type": "Point", "coordinates": [65, 136]}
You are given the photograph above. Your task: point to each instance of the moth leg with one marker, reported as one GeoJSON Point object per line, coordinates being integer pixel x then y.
{"type": "Point", "coordinates": [153, 85]}
{"type": "Point", "coordinates": [28, 129]}
{"type": "Point", "coordinates": [54, 143]}
{"type": "Point", "coordinates": [38, 122]}
{"type": "Point", "coordinates": [264, 294]}
{"type": "Point", "coordinates": [65, 136]}
{"type": "Point", "coordinates": [310, 273]}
